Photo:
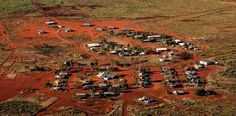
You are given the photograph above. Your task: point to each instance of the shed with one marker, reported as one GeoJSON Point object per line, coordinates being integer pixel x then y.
{"type": "Point", "coordinates": [105, 75]}
{"type": "Point", "coordinates": [88, 24]}
{"type": "Point", "coordinates": [94, 45]}
{"type": "Point", "coordinates": [103, 85]}
{"type": "Point", "coordinates": [41, 32]}
{"type": "Point", "coordinates": [81, 95]}
{"type": "Point", "coordinates": [50, 22]}
{"type": "Point", "coordinates": [199, 66]}
{"type": "Point", "coordinates": [109, 94]}
{"type": "Point", "coordinates": [161, 49]}
{"type": "Point", "coordinates": [100, 29]}
{"type": "Point", "coordinates": [154, 36]}
{"type": "Point", "coordinates": [68, 30]}
{"type": "Point", "coordinates": [207, 62]}
{"type": "Point", "coordinates": [178, 92]}
{"type": "Point", "coordinates": [112, 27]}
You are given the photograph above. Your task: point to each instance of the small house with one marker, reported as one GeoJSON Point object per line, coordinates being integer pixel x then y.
{"type": "Point", "coordinates": [199, 66]}
{"type": "Point", "coordinates": [163, 59]}
{"type": "Point", "coordinates": [112, 27]}
{"type": "Point", "coordinates": [182, 43]}
{"type": "Point", "coordinates": [177, 41]}
{"type": "Point", "coordinates": [206, 62]}
{"type": "Point", "coordinates": [93, 45]}
{"type": "Point", "coordinates": [161, 49]}
{"type": "Point", "coordinates": [100, 29]}
{"type": "Point", "coordinates": [178, 92]}
{"type": "Point", "coordinates": [113, 52]}
{"type": "Point", "coordinates": [153, 36]}
{"type": "Point", "coordinates": [109, 94]}
{"type": "Point", "coordinates": [88, 24]}
{"type": "Point", "coordinates": [50, 23]}
{"type": "Point", "coordinates": [69, 30]}
{"type": "Point", "coordinates": [81, 95]}
{"type": "Point", "coordinates": [41, 32]}
{"type": "Point", "coordinates": [62, 75]}
{"type": "Point", "coordinates": [103, 85]}
{"type": "Point", "coordinates": [105, 75]}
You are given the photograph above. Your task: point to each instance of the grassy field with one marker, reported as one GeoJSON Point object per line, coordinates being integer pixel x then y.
{"type": "Point", "coordinates": [117, 9]}
{"type": "Point", "coordinates": [136, 8]}
{"type": "Point", "coordinates": [10, 7]}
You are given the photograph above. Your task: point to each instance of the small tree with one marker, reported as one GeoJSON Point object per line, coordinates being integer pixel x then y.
{"type": "Point", "coordinates": [123, 84]}
{"type": "Point", "coordinates": [185, 55]}
{"type": "Point", "coordinates": [200, 92]}
{"type": "Point", "coordinates": [136, 80]}
{"type": "Point", "coordinates": [48, 85]}
{"type": "Point", "coordinates": [92, 91]}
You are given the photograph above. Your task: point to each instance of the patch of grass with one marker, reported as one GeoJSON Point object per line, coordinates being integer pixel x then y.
{"type": "Point", "coordinates": [230, 62]}
{"type": "Point", "coordinates": [212, 108]}
{"type": "Point", "coordinates": [15, 7]}
{"type": "Point", "coordinates": [167, 110]}
{"type": "Point", "coordinates": [136, 8]}
{"type": "Point", "coordinates": [19, 108]}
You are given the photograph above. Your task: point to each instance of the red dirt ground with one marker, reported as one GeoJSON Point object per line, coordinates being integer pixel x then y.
{"type": "Point", "coordinates": [37, 80]}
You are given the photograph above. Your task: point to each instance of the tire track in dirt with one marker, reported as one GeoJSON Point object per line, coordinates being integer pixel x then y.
{"type": "Point", "coordinates": [163, 23]}
{"type": "Point", "coordinates": [124, 109]}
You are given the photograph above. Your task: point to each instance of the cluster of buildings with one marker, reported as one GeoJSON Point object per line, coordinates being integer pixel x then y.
{"type": "Point", "coordinates": [144, 77]}
{"type": "Point", "coordinates": [101, 90]}
{"type": "Point", "coordinates": [119, 49]}
{"type": "Point", "coordinates": [167, 57]}
{"type": "Point", "coordinates": [61, 80]}
{"type": "Point", "coordinates": [191, 72]}
{"type": "Point", "coordinates": [142, 36]}
{"type": "Point", "coordinates": [177, 42]}
{"type": "Point", "coordinates": [99, 29]}
{"type": "Point", "coordinates": [171, 77]}
{"type": "Point", "coordinates": [127, 50]}
{"type": "Point", "coordinates": [192, 77]}
{"type": "Point", "coordinates": [54, 25]}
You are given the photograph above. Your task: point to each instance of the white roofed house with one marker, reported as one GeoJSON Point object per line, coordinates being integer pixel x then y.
{"type": "Point", "coordinates": [41, 32]}
{"type": "Point", "coordinates": [199, 66]}
{"type": "Point", "coordinates": [207, 62]}
{"type": "Point", "coordinates": [112, 27]}
{"type": "Point", "coordinates": [68, 30]}
{"type": "Point", "coordinates": [50, 23]}
{"type": "Point", "coordinates": [105, 75]}
{"type": "Point", "coordinates": [93, 45]}
{"type": "Point", "coordinates": [88, 24]}
{"type": "Point", "coordinates": [100, 29]}
{"type": "Point", "coordinates": [161, 49]}
{"type": "Point", "coordinates": [153, 36]}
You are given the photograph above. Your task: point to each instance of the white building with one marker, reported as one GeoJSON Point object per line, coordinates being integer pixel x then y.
{"type": "Point", "coordinates": [94, 45]}
{"type": "Point", "coordinates": [161, 49]}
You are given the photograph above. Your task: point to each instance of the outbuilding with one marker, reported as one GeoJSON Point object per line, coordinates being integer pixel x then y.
{"type": "Point", "coordinates": [94, 45]}
{"type": "Point", "coordinates": [207, 62]}
{"type": "Point", "coordinates": [105, 75]}
{"type": "Point", "coordinates": [41, 32]}
{"type": "Point", "coordinates": [50, 22]}
{"type": "Point", "coordinates": [88, 24]}
{"type": "Point", "coordinates": [161, 49]}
